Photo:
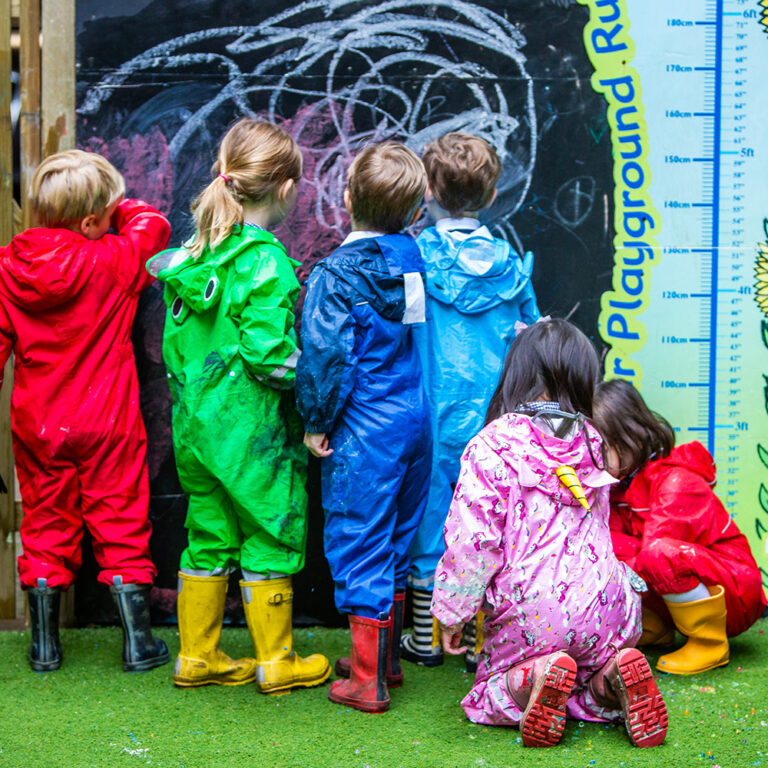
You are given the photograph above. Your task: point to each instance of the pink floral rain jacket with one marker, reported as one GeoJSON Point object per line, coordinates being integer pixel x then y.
{"type": "Point", "coordinates": [541, 567]}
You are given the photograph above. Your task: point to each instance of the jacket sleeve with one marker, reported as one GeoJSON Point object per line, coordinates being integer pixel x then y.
{"type": "Point", "coordinates": [326, 368]}
{"type": "Point", "coordinates": [473, 536]}
{"type": "Point", "coordinates": [529, 310]}
{"type": "Point", "coordinates": [683, 507]}
{"type": "Point", "coordinates": [142, 231]}
{"type": "Point", "coordinates": [267, 339]}
{"type": "Point", "coordinates": [625, 545]}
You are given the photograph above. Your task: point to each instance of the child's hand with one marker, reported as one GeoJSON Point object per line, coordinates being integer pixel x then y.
{"type": "Point", "coordinates": [317, 444]}
{"type": "Point", "coordinates": [450, 639]}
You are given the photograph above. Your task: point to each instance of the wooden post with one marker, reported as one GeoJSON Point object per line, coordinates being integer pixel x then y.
{"type": "Point", "coordinates": [7, 507]}
{"type": "Point", "coordinates": [29, 117]}
{"type": "Point", "coordinates": [58, 76]}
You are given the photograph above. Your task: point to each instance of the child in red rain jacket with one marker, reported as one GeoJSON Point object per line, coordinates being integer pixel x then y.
{"type": "Point", "coordinates": [668, 525]}
{"type": "Point", "coordinates": [68, 296]}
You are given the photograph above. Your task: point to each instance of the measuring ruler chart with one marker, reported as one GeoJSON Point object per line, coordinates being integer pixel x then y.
{"type": "Point", "coordinates": [690, 336]}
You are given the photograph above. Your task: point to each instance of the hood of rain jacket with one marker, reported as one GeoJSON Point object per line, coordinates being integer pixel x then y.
{"type": "Point", "coordinates": [473, 271]}
{"type": "Point", "coordinates": [43, 268]}
{"type": "Point", "coordinates": [543, 453]}
{"type": "Point", "coordinates": [692, 456]}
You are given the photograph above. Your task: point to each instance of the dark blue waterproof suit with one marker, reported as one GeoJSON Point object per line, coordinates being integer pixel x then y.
{"type": "Point", "coordinates": [359, 381]}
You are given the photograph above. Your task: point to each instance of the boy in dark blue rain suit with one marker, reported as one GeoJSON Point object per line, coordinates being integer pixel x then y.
{"type": "Point", "coordinates": [360, 393]}
{"type": "Point", "coordinates": [478, 287]}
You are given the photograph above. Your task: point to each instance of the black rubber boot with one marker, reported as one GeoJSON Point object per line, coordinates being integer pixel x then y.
{"type": "Point", "coordinates": [141, 651]}
{"type": "Point", "coordinates": [44, 654]}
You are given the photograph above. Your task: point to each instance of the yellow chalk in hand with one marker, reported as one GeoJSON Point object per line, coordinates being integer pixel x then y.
{"type": "Point", "coordinates": [569, 479]}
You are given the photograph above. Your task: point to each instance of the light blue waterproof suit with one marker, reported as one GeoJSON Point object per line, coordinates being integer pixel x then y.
{"type": "Point", "coordinates": [477, 288]}
{"type": "Point", "coordinates": [359, 381]}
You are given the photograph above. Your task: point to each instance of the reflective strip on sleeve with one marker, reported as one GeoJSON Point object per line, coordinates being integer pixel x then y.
{"type": "Point", "coordinates": [289, 365]}
{"type": "Point", "coordinates": [414, 298]}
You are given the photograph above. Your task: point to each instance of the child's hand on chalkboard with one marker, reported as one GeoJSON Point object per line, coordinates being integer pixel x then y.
{"type": "Point", "coordinates": [317, 444]}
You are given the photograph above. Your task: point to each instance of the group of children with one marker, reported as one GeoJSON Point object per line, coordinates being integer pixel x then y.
{"type": "Point", "coordinates": [490, 493]}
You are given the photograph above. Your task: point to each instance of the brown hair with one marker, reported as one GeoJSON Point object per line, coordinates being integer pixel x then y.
{"type": "Point", "coordinates": [386, 183]}
{"type": "Point", "coordinates": [69, 186]}
{"type": "Point", "coordinates": [254, 159]}
{"type": "Point", "coordinates": [636, 433]}
{"type": "Point", "coordinates": [462, 172]}
{"type": "Point", "coordinates": [551, 358]}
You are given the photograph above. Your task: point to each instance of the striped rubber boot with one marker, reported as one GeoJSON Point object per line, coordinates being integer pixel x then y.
{"type": "Point", "coordinates": [473, 639]}
{"type": "Point", "coordinates": [422, 646]}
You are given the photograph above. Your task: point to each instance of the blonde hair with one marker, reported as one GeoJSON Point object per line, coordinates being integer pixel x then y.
{"type": "Point", "coordinates": [462, 171]}
{"type": "Point", "coordinates": [254, 159]}
{"type": "Point", "coordinates": [68, 186]}
{"type": "Point", "coordinates": [386, 183]}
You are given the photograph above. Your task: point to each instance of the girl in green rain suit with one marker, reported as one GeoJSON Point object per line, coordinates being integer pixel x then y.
{"type": "Point", "coordinates": [230, 350]}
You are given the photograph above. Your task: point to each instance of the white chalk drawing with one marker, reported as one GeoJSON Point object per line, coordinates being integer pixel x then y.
{"type": "Point", "coordinates": [368, 72]}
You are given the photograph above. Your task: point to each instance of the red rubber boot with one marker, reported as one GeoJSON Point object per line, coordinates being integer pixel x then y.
{"type": "Point", "coordinates": [366, 688]}
{"type": "Point", "coordinates": [394, 669]}
{"type": "Point", "coordinates": [396, 615]}
{"type": "Point", "coordinates": [626, 683]}
{"type": "Point", "coordinates": [546, 682]}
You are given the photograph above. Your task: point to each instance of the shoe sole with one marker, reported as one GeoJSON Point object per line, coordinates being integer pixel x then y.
{"type": "Point", "coordinates": [372, 707]}
{"type": "Point", "coordinates": [147, 664]}
{"type": "Point", "coordinates": [426, 660]}
{"type": "Point", "coordinates": [44, 666]}
{"type": "Point", "coordinates": [672, 671]}
{"type": "Point", "coordinates": [263, 687]}
{"type": "Point", "coordinates": [645, 714]}
{"type": "Point", "coordinates": [543, 721]}
{"type": "Point", "coordinates": [211, 681]}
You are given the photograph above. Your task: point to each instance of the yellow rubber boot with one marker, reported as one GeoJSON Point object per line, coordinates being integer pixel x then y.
{"type": "Point", "coordinates": [703, 623]}
{"type": "Point", "coordinates": [268, 608]}
{"type": "Point", "coordinates": [201, 611]}
{"type": "Point", "coordinates": [655, 630]}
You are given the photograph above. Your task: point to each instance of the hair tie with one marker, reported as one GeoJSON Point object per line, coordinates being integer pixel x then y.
{"type": "Point", "coordinates": [226, 178]}
{"type": "Point", "coordinates": [520, 326]}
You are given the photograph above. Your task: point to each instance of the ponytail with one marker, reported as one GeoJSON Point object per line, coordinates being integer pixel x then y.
{"type": "Point", "coordinates": [254, 159]}
{"type": "Point", "coordinates": [216, 212]}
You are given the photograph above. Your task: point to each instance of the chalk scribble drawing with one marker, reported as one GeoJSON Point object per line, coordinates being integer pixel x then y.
{"type": "Point", "coordinates": [340, 74]}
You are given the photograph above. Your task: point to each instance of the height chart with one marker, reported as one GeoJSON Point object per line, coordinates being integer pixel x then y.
{"type": "Point", "coordinates": [685, 89]}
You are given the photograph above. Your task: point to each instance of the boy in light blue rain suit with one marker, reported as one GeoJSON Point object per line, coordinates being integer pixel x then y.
{"type": "Point", "coordinates": [360, 392]}
{"type": "Point", "coordinates": [478, 287]}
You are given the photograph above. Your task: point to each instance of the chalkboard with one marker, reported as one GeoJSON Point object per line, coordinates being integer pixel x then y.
{"type": "Point", "coordinates": [159, 83]}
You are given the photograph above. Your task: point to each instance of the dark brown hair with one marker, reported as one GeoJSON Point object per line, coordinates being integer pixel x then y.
{"type": "Point", "coordinates": [462, 172]}
{"type": "Point", "coordinates": [553, 359]}
{"type": "Point", "coordinates": [627, 425]}
{"type": "Point", "coordinates": [386, 183]}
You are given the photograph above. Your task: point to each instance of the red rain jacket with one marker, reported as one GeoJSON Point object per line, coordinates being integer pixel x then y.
{"type": "Point", "coordinates": [671, 502]}
{"type": "Point", "coordinates": [67, 306]}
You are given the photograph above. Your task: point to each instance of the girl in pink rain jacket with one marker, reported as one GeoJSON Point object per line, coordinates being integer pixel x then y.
{"type": "Point", "coordinates": [561, 613]}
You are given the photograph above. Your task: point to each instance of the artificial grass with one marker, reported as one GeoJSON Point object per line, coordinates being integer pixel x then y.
{"type": "Point", "coordinates": [90, 714]}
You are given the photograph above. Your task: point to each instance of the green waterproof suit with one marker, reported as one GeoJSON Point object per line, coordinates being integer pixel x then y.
{"type": "Point", "coordinates": [230, 350]}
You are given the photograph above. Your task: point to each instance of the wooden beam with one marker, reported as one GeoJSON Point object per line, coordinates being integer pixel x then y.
{"type": "Point", "coordinates": [7, 509]}
{"type": "Point", "coordinates": [29, 117]}
{"type": "Point", "coordinates": [58, 76]}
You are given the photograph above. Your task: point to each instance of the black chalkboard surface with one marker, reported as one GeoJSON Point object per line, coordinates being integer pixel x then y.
{"type": "Point", "coordinates": [159, 82]}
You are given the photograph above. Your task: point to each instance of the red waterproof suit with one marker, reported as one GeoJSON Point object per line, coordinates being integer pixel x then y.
{"type": "Point", "coordinates": [66, 309]}
{"type": "Point", "coordinates": [669, 527]}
